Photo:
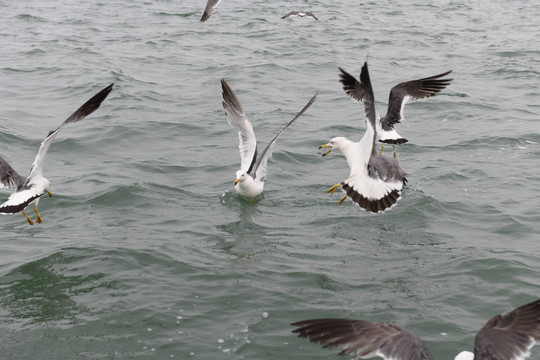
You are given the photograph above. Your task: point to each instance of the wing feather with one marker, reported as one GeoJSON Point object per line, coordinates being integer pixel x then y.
{"type": "Point", "coordinates": [364, 339]}
{"type": "Point", "coordinates": [260, 168]}
{"type": "Point", "coordinates": [209, 10]}
{"type": "Point", "coordinates": [86, 109]}
{"type": "Point", "coordinates": [238, 119]}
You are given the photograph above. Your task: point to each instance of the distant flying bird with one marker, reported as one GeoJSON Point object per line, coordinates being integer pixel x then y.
{"type": "Point", "coordinates": [375, 181]}
{"type": "Point", "coordinates": [210, 6]}
{"type": "Point", "coordinates": [29, 189]}
{"type": "Point", "coordinates": [509, 336]}
{"type": "Point", "coordinates": [399, 96]}
{"type": "Point", "coordinates": [301, 14]}
{"type": "Point", "coordinates": [252, 174]}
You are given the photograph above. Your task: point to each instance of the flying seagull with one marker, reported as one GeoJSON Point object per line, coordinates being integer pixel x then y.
{"type": "Point", "coordinates": [29, 189]}
{"type": "Point", "coordinates": [509, 336]}
{"type": "Point", "coordinates": [252, 174]}
{"type": "Point", "coordinates": [375, 181]}
{"type": "Point", "coordinates": [399, 96]}
{"type": "Point", "coordinates": [301, 14]}
{"type": "Point", "coordinates": [209, 10]}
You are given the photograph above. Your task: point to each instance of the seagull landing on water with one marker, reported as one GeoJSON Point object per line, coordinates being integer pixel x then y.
{"type": "Point", "coordinates": [375, 181]}
{"type": "Point", "coordinates": [209, 10]}
{"type": "Point", "coordinates": [301, 14]}
{"type": "Point", "coordinates": [505, 337]}
{"type": "Point", "coordinates": [399, 96]}
{"type": "Point", "coordinates": [28, 190]}
{"type": "Point", "coordinates": [251, 176]}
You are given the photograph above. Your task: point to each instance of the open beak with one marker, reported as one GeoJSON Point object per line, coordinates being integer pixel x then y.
{"type": "Point", "coordinates": [236, 182]}
{"type": "Point", "coordinates": [326, 146]}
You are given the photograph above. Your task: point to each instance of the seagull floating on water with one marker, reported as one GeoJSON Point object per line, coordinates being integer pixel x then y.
{"type": "Point", "coordinates": [209, 10]}
{"type": "Point", "coordinates": [509, 336]}
{"type": "Point", "coordinates": [301, 14]}
{"type": "Point", "coordinates": [252, 174]}
{"type": "Point", "coordinates": [375, 181]}
{"type": "Point", "coordinates": [29, 189]}
{"type": "Point", "coordinates": [399, 96]}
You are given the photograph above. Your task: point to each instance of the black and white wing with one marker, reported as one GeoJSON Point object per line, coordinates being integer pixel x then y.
{"type": "Point", "coordinates": [364, 339]}
{"type": "Point", "coordinates": [8, 176]}
{"type": "Point", "coordinates": [312, 15]}
{"type": "Point", "coordinates": [209, 10]}
{"type": "Point", "coordinates": [260, 168]}
{"type": "Point", "coordinates": [86, 109]}
{"type": "Point", "coordinates": [412, 90]}
{"type": "Point", "coordinates": [238, 119]}
{"type": "Point", "coordinates": [509, 336]}
{"type": "Point", "coordinates": [292, 13]}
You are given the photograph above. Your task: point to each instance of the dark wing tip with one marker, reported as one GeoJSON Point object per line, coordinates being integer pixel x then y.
{"type": "Point", "coordinates": [375, 205]}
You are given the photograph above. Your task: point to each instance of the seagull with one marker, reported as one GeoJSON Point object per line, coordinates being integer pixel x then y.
{"type": "Point", "coordinates": [399, 96]}
{"type": "Point", "coordinates": [209, 10]}
{"type": "Point", "coordinates": [301, 14]}
{"type": "Point", "coordinates": [509, 336]}
{"type": "Point", "coordinates": [375, 181]}
{"type": "Point", "coordinates": [252, 174]}
{"type": "Point", "coordinates": [29, 189]}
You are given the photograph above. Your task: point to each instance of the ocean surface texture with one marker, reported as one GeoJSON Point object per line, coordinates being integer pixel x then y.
{"type": "Point", "coordinates": [147, 252]}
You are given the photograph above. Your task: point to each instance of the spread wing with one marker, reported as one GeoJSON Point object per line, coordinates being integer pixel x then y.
{"type": "Point", "coordinates": [8, 176]}
{"type": "Point", "coordinates": [509, 336]}
{"type": "Point", "coordinates": [238, 118]}
{"type": "Point", "coordinates": [364, 339]}
{"type": "Point", "coordinates": [260, 169]}
{"type": "Point", "coordinates": [412, 90]}
{"type": "Point", "coordinates": [86, 109]}
{"type": "Point", "coordinates": [209, 10]}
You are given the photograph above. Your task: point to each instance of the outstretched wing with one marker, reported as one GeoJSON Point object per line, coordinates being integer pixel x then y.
{"type": "Point", "coordinates": [8, 176]}
{"type": "Point", "coordinates": [412, 90]}
{"type": "Point", "coordinates": [260, 168]}
{"type": "Point", "coordinates": [209, 10]}
{"type": "Point", "coordinates": [86, 109]}
{"type": "Point", "coordinates": [238, 118]}
{"type": "Point", "coordinates": [509, 336]}
{"type": "Point", "coordinates": [364, 339]}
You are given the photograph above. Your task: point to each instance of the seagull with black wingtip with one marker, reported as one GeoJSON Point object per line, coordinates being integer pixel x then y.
{"type": "Point", "coordinates": [252, 174]}
{"type": "Point", "coordinates": [375, 181]}
{"type": "Point", "coordinates": [399, 96]}
{"type": "Point", "coordinates": [30, 189]}
{"type": "Point", "coordinates": [509, 336]}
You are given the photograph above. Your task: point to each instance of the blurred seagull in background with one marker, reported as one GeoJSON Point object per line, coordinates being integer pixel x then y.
{"type": "Point", "coordinates": [252, 174]}
{"type": "Point", "coordinates": [301, 14]}
{"type": "Point", "coordinates": [29, 189]}
{"type": "Point", "coordinates": [505, 337]}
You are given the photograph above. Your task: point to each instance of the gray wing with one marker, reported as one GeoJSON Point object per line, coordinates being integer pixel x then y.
{"type": "Point", "coordinates": [238, 118]}
{"type": "Point", "coordinates": [8, 176]}
{"type": "Point", "coordinates": [309, 13]}
{"type": "Point", "coordinates": [86, 109]}
{"type": "Point", "coordinates": [364, 339]}
{"type": "Point", "coordinates": [361, 91]}
{"type": "Point", "coordinates": [260, 169]}
{"type": "Point", "coordinates": [209, 10]}
{"type": "Point", "coordinates": [509, 336]}
{"type": "Point", "coordinates": [412, 90]}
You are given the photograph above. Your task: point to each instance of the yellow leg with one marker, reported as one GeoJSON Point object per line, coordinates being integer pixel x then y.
{"type": "Point", "coordinates": [382, 145]}
{"type": "Point", "coordinates": [333, 189]}
{"type": "Point", "coordinates": [394, 149]}
{"type": "Point", "coordinates": [27, 218]}
{"type": "Point", "coordinates": [38, 219]}
{"type": "Point", "coordinates": [342, 200]}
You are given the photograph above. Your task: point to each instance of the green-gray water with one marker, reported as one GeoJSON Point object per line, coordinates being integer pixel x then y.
{"type": "Point", "coordinates": [146, 252]}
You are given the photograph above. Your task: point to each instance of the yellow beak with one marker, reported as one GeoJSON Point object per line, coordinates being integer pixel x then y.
{"type": "Point", "coordinates": [325, 146]}
{"type": "Point", "coordinates": [236, 182]}
{"type": "Point", "coordinates": [49, 192]}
